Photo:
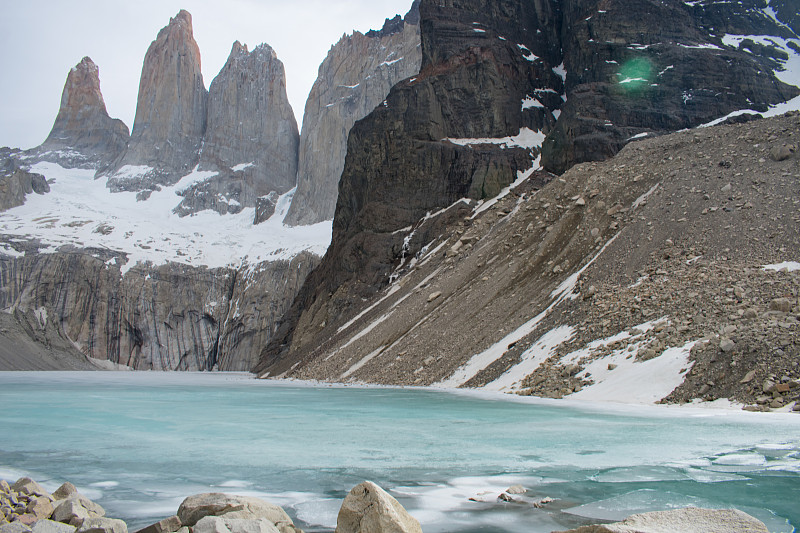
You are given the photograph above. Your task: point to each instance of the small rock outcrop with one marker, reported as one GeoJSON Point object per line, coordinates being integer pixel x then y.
{"type": "Point", "coordinates": [83, 134]}
{"type": "Point", "coordinates": [370, 509]}
{"type": "Point", "coordinates": [688, 520]}
{"type": "Point", "coordinates": [353, 79]}
{"type": "Point", "coordinates": [170, 113]}
{"type": "Point", "coordinates": [16, 184]}
{"type": "Point", "coordinates": [251, 137]}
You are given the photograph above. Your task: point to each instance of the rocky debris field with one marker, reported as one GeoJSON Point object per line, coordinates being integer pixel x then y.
{"type": "Point", "coordinates": [28, 508]}
{"type": "Point", "coordinates": [666, 246]}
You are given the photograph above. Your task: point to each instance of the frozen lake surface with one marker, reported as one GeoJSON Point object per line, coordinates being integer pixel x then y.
{"type": "Point", "coordinates": [139, 443]}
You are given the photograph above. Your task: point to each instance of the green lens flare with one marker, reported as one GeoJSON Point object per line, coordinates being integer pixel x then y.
{"type": "Point", "coordinates": [635, 74]}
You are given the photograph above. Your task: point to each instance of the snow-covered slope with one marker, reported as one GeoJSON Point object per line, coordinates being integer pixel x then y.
{"type": "Point", "coordinates": [81, 211]}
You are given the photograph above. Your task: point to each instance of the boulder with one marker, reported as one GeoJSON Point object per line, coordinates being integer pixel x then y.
{"type": "Point", "coordinates": [14, 527]}
{"type": "Point", "coordinates": [75, 508]}
{"type": "Point", "coordinates": [370, 509]}
{"type": "Point", "coordinates": [516, 489]}
{"type": "Point", "coordinates": [103, 525]}
{"type": "Point", "coordinates": [40, 507]}
{"type": "Point", "coordinates": [688, 520]}
{"type": "Point", "coordinates": [65, 491]}
{"type": "Point", "coordinates": [783, 305]}
{"type": "Point", "coordinates": [26, 485]}
{"type": "Point", "coordinates": [194, 508]}
{"type": "Point", "coordinates": [50, 526]}
{"type": "Point", "coordinates": [167, 525]}
{"type": "Point", "coordinates": [223, 524]}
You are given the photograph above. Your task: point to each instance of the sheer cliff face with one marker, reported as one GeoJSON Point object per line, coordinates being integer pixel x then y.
{"type": "Point", "coordinates": [170, 112]}
{"type": "Point", "coordinates": [416, 153]}
{"type": "Point", "coordinates": [251, 137]}
{"type": "Point", "coordinates": [355, 77]}
{"type": "Point", "coordinates": [168, 317]}
{"type": "Point", "coordinates": [582, 78]}
{"type": "Point", "coordinates": [83, 134]}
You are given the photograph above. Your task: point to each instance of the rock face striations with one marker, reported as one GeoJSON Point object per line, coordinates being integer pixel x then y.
{"type": "Point", "coordinates": [355, 77]}
{"type": "Point", "coordinates": [170, 113]}
{"type": "Point", "coordinates": [156, 317]}
{"type": "Point", "coordinates": [83, 134]}
{"type": "Point", "coordinates": [501, 83]}
{"type": "Point", "coordinates": [251, 136]}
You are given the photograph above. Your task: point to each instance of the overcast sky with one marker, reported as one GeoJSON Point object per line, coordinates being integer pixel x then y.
{"type": "Point", "coordinates": [40, 40]}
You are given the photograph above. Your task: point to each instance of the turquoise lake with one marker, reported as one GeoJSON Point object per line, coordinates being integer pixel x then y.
{"type": "Point", "coordinates": [139, 443]}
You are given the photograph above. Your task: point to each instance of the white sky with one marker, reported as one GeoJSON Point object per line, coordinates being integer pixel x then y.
{"type": "Point", "coordinates": [40, 40]}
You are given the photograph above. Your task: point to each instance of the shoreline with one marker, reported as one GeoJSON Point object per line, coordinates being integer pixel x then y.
{"type": "Point", "coordinates": [719, 407]}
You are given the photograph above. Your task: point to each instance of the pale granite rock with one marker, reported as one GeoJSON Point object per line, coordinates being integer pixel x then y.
{"type": "Point", "coordinates": [370, 509]}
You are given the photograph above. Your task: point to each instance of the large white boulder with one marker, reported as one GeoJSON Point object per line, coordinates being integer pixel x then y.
{"type": "Point", "coordinates": [370, 509]}
{"type": "Point", "coordinates": [232, 507]}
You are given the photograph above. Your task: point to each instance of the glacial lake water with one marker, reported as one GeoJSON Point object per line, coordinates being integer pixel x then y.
{"type": "Point", "coordinates": [138, 443]}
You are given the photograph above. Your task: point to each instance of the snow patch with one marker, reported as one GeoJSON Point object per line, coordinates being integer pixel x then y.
{"type": "Point", "coordinates": [243, 166]}
{"type": "Point", "coordinates": [530, 102]}
{"type": "Point", "coordinates": [786, 266]}
{"type": "Point", "coordinates": [527, 54]}
{"type": "Point", "coordinates": [561, 71]}
{"type": "Point", "coordinates": [83, 212]}
{"type": "Point", "coordinates": [526, 138]}
{"type": "Point", "coordinates": [635, 381]}
{"type": "Point", "coordinates": [532, 358]}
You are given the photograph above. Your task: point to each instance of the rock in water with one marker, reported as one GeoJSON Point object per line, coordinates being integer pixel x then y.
{"type": "Point", "coordinates": [170, 113]}
{"type": "Point", "coordinates": [251, 137]}
{"type": "Point", "coordinates": [688, 520]}
{"type": "Point", "coordinates": [83, 134]}
{"type": "Point", "coordinates": [370, 509]}
{"type": "Point", "coordinates": [238, 514]}
{"type": "Point", "coordinates": [353, 79]}
{"type": "Point", "coordinates": [103, 525]}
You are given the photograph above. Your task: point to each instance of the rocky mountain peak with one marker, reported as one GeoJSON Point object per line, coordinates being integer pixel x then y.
{"type": "Point", "coordinates": [180, 29]}
{"type": "Point", "coordinates": [355, 77]}
{"type": "Point", "coordinates": [251, 137]}
{"type": "Point", "coordinates": [83, 133]}
{"type": "Point", "coordinates": [82, 88]}
{"type": "Point", "coordinates": [170, 112]}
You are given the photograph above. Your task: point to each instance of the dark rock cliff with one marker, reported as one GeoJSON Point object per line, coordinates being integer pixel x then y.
{"type": "Point", "coordinates": [588, 75]}
{"type": "Point", "coordinates": [400, 164]}
{"type": "Point", "coordinates": [654, 67]}
{"type": "Point", "coordinates": [353, 79]}
{"type": "Point", "coordinates": [83, 134]}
